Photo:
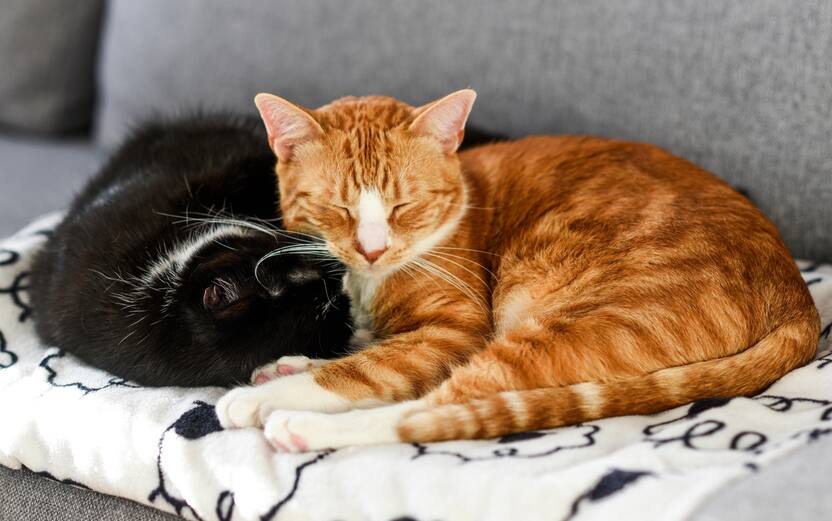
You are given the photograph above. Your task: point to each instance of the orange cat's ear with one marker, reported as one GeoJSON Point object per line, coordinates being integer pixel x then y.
{"type": "Point", "coordinates": [287, 124]}
{"type": "Point", "coordinates": [445, 119]}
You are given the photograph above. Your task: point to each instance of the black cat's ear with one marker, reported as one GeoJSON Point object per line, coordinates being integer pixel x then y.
{"type": "Point", "coordinates": [226, 298]}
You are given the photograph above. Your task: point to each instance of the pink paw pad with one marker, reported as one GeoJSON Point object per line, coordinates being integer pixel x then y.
{"type": "Point", "coordinates": [285, 370]}
{"type": "Point", "coordinates": [261, 379]}
{"type": "Point", "coordinates": [262, 376]}
{"type": "Point", "coordinates": [298, 442]}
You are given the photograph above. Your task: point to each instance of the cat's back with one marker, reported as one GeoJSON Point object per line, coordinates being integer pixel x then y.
{"type": "Point", "coordinates": [571, 165]}
{"type": "Point", "coordinates": [634, 208]}
{"type": "Point", "coordinates": [136, 207]}
{"type": "Point", "coordinates": [630, 186]}
{"type": "Point", "coordinates": [167, 156]}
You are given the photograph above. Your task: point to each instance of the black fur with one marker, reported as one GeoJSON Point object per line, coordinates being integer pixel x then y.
{"type": "Point", "coordinates": [214, 323]}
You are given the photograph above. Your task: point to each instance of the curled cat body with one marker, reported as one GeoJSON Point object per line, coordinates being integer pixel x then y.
{"type": "Point", "coordinates": [520, 285]}
{"type": "Point", "coordinates": [154, 273]}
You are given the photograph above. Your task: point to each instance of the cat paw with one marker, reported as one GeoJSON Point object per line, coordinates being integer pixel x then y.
{"type": "Point", "coordinates": [240, 408]}
{"type": "Point", "coordinates": [293, 431]}
{"type": "Point", "coordinates": [285, 366]}
{"type": "Point", "coordinates": [250, 406]}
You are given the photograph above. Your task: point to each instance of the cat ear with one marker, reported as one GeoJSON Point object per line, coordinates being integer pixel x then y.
{"type": "Point", "coordinates": [287, 124]}
{"type": "Point", "coordinates": [445, 119]}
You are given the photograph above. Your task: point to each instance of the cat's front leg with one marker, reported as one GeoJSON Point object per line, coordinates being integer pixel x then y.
{"type": "Point", "coordinates": [403, 367]}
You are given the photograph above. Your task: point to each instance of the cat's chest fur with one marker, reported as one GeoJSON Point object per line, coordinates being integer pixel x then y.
{"type": "Point", "coordinates": [361, 291]}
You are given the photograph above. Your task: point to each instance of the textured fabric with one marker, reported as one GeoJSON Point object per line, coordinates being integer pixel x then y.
{"type": "Point", "coordinates": [761, 496]}
{"type": "Point", "coordinates": [39, 176]}
{"type": "Point", "coordinates": [25, 496]}
{"type": "Point", "coordinates": [741, 87]}
{"type": "Point", "coordinates": [165, 447]}
{"type": "Point", "coordinates": [47, 58]}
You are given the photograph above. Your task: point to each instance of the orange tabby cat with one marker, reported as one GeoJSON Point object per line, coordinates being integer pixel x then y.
{"type": "Point", "coordinates": [520, 285]}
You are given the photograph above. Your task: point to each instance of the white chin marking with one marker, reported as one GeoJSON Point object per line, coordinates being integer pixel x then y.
{"type": "Point", "coordinates": [373, 232]}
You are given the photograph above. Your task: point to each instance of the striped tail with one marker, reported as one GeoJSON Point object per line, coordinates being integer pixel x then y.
{"type": "Point", "coordinates": [791, 345]}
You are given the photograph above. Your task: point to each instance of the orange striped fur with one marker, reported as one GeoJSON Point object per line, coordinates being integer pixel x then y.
{"type": "Point", "coordinates": [535, 283]}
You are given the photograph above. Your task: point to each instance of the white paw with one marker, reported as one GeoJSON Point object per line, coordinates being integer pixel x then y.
{"type": "Point", "coordinates": [249, 406]}
{"type": "Point", "coordinates": [240, 407]}
{"type": "Point", "coordinates": [285, 366]}
{"type": "Point", "coordinates": [300, 431]}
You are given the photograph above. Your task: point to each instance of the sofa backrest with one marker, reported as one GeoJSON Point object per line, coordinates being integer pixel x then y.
{"type": "Point", "coordinates": [743, 88]}
{"type": "Point", "coordinates": [47, 64]}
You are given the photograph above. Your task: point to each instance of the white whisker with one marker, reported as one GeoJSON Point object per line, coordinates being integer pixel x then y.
{"type": "Point", "coordinates": [451, 279]}
{"type": "Point", "coordinates": [466, 249]}
{"type": "Point", "coordinates": [128, 335]}
{"type": "Point", "coordinates": [445, 255]}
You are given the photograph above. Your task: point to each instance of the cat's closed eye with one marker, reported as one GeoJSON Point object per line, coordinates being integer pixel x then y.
{"type": "Point", "coordinates": [401, 207]}
{"type": "Point", "coordinates": [345, 211]}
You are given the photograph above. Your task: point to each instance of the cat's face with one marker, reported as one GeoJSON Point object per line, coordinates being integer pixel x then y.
{"type": "Point", "coordinates": [379, 180]}
{"type": "Point", "coordinates": [236, 313]}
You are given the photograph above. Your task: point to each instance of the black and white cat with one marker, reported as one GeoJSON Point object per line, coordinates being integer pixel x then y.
{"type": "Point", "coordinates": [149, 278]}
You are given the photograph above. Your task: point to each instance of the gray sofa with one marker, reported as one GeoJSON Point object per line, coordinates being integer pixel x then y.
{"type": "Point", "coordinates": [742, 87]}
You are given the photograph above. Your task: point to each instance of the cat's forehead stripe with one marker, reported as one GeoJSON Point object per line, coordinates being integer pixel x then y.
{"type": "Point", "coordinates": [364, 125]}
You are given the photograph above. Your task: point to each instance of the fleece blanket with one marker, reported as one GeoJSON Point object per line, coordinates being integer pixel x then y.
{"type": "Point", "coordinates": [165, 448]}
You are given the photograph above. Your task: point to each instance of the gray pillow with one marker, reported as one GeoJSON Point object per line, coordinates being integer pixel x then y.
{"type": "Point", "coordinates": [47, 63]}
{"type": "Point", "coordinates": [742, 87]}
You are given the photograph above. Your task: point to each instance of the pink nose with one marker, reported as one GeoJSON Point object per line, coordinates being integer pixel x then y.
{"type": "Point", "coordinates": [372, 256]}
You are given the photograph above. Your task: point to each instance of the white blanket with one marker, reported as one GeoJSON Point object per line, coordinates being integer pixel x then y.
{"type": "Point", "coordinates": [165, 448]}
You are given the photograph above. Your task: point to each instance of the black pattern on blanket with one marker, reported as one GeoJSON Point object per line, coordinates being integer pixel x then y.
{"type": "Point", "coordinates": [165, 447]}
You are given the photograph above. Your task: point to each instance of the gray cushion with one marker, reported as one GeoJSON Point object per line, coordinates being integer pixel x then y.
{"type": "Point", "coordinates": [793, 487]}
{"type": "Point", "coordinates": [47, 59]}
{"type": "Point", "coordinates": [40, 176]}
{"type": "Point", "coordinates": [740, 87]}
{"type": "Point", "coordinates": [26, 496]}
